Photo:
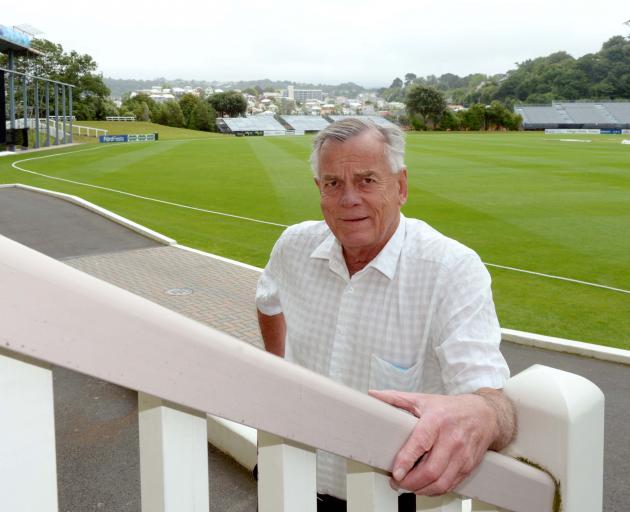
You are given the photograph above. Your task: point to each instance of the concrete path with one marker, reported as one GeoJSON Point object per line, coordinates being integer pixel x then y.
{"type": "Point", "coordinates": [97, 432]}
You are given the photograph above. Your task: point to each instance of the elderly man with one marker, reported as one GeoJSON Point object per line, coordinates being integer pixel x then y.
{"type": "Point", "coordinates": [377, 301]}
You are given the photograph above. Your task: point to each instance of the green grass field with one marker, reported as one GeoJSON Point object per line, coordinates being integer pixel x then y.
{"type": "Point", "coordinates": [523, 200]}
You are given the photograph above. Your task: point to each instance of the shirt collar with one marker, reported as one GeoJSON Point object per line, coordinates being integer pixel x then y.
{"type": "Point", "coordinates": [385, 261]}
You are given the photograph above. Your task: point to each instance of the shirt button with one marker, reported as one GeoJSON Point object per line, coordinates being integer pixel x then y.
{"type": "Point", "coordinates": [350, 289]}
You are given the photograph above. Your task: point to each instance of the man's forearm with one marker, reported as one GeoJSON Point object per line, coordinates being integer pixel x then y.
{"type": "Point", "coordinates": [273, 330]}
{"type": "Point", "coordinates": [505, 413]}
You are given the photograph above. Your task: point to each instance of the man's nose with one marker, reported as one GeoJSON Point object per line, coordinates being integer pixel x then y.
{"type": "Point", "coordinates": [350, 196]}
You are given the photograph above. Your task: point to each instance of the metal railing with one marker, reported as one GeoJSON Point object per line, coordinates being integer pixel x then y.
{"type": "Point", "coordinates": [36, 95]}
{"type": "Point", "coordinates": [183, 370]}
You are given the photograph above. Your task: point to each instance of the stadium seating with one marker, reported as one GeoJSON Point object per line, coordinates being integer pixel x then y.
{"type": "Point", "coordinates": [575, 115]}
{"type": "Point", "coordinates": [306, 123]}
{"type": "Point", "coordinates": [265, 124]}
{"type": "Point", "coordinates": [621, 111]}
{"type": "Point", "coordinates": [261, 124]}
{"type": "Point", "coordinates": [381, 121]}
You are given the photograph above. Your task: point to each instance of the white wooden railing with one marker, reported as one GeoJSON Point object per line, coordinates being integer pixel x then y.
{"type": "Point", "coordinates": [53, 314]}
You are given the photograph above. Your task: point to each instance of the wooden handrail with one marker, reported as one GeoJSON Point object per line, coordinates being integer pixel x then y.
{"type": "Point", "coordinates": [62, 316]}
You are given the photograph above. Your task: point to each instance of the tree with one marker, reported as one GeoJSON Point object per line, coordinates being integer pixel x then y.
{"type": "Point", "coordinates": [198, 113]}
{"type": "Point", "coordinates": [409, 78]}
{"type": "Point", "coordinates": [188, 103]}
{"type": "Point", "coordinates": [203, 117]}
{"type": "Point", "coordinates": [473, 118]}
{"type": "Point", "coordinates": [450, 121]}
{"type": "Point", "coordinates": [426, 102]}
{"type": "Point", "coordinates": [396, 84]}
{"type": "Point", "coordinates": [142, 106]}
{"type": "Point", "coordinates": [171, 114]}
{"type": "Point", "coordinates": [228, 104]}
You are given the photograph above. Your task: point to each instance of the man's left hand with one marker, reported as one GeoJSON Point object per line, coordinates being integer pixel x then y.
{"type": "Point", "coordinates": [450, 438]}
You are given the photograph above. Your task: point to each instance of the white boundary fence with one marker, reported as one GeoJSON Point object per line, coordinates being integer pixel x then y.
{"type": "Point", "coordinates": [53, 314]}
{"type": "Point", "coordinates": [583, 131]}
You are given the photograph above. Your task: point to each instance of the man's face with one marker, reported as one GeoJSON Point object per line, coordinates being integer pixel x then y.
{"type": "Point", "coordinates": [360, 197]}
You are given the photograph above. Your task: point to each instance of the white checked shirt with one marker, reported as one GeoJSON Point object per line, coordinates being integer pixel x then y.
{"type": "Point", "coordinates": [419, 317]}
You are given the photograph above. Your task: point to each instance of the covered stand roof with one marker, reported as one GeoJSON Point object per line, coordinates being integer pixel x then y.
{"type": "Point", "coordinates": [306, 123]}
{"type": "Point", "coordinates": [16, 41]}
{"type": "Point", "coordinates": [253, 124]}
{"type": "Point", "coordinates": [381, 121]}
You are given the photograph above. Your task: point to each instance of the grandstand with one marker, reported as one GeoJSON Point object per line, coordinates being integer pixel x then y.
{"type": "Point", "coordinates": [381, 121]}
{"type": "Point", "coordinates": [575, 115]}
{"type": "Point", "coordinates": [263, 124]}
{"type": "Point", "coordinates": [305, 124]}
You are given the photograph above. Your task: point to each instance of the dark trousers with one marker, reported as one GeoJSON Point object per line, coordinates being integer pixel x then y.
{"type": "Point", "coordinates": [326, 503]}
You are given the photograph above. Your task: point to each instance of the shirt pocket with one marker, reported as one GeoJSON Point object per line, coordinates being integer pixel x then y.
{"type": "Point", "coordinates": [385, 375]}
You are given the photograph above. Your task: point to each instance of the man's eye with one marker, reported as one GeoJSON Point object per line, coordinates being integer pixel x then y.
{"type": "Point", "coordinates": [368, 181]}
{"type": "Point", "coordinates": [331, 184]}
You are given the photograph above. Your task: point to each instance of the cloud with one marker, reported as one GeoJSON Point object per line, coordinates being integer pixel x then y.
{"type": "Point", "coordinates": [364, 41]}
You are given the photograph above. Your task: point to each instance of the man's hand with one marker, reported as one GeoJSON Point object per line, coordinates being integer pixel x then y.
{"type": "Point", "coordinates": [450, 438]}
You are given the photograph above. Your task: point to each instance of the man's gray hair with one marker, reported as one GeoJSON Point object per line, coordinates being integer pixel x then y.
{"type": "Point", "coordinates": [346, 129]}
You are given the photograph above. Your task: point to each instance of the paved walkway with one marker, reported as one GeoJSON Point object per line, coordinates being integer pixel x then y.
{"type": "Point", "coordinates": [97, 433]}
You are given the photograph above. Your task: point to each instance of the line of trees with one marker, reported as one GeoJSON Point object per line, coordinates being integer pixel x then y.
{"type": "Point", "coordinates": [427, 109]}
{"type": "Point", "coordinates": [604, 75]}
{"type": "Point", "coordinates": [189, 111]}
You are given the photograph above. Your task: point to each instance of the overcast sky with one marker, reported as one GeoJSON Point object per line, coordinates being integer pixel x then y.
{"type": "Point", "coordinates": [326, 41]}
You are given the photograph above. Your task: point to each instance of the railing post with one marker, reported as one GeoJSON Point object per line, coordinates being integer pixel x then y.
{"type": "Point", "coordinates": [286, 475]}
{"type": "Point", "coordinates": [173, 457]}
{"type": "Point", "coordinates": [368, 489]}
{"type": "Point", "coordinates": [28, 467]}
{"type": "Point", "coordinates": [561, 430]}
{"type": "Point", "coordinates": [446, 503]}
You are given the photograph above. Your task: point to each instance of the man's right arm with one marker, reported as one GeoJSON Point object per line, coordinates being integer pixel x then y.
{"type": "Point", "coordinates": [273, 329]}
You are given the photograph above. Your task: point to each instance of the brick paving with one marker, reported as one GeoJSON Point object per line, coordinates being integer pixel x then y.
{"type": "Point", "coordinates": [211, 291]}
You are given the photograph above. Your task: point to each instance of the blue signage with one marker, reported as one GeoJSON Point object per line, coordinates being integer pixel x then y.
{"type": "Point", "coordinates": [142, 137]}
{"type": "Point", "coordinates": [113, 138]}
{"type": "Point", "coordinates": [611, 131]}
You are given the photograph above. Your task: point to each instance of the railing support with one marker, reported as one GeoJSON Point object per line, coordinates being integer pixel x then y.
{"type": "Point", "coordinates": [286, 475]}
{"type": "Point", "coordinates": [173, 457]}
{"type": "Point", "coordinates": [561, 430]}
{"type": "Point", "coordinates": [368, 489]}
{"type": "Point", "coordinates": [28, 468]}
{"type": "Point", "coordinates": [447, 503]}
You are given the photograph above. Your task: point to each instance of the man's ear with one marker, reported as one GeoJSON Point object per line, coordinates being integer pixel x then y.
{"type": "Point", "coordinates": [402, 185]}
{"type": "Point", "coordinates": [316, 179]}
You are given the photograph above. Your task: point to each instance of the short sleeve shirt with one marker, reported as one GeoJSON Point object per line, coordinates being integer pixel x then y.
{"type": "Point", "coordinates": [419, 317]}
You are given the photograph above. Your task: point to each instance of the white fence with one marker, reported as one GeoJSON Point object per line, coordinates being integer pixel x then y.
{"type": "Point", "coordinates": [120, 118]}
{"type": "Point", "coordinates": [54, 126]}
{"type": "Point", "coordinates": [53, 314]}
{"type": "Point", "coordinates": [583, 131]}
